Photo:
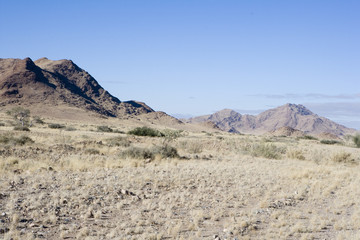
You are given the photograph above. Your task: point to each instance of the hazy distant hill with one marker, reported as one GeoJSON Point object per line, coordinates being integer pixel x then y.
{"type": "Point", "coordinates": [289, 115]}
{"type": "Point", "coordinates": [48, 83]}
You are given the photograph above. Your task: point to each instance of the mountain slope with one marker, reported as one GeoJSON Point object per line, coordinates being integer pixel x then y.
{"type": "Point", "coordinates": [289, 115]}
{"type": "Point", "coordinates": [53, 83]}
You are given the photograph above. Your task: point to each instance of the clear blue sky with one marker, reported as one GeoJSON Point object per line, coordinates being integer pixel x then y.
{"type": "Point", "coordinates": [197, 57]}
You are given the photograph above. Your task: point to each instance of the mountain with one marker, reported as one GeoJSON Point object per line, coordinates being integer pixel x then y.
{"type": "Point", "coordinates": [289, 115]}
{"type": "Point", "coordinates": [46, 83]}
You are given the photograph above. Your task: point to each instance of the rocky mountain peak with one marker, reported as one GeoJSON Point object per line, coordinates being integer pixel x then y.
{"type": "Point", "coordinates": [48, 82]}
{"type": "Point", "coordinates": [286, 117]}
{"type": "Point", "coordinates": [298, 108]}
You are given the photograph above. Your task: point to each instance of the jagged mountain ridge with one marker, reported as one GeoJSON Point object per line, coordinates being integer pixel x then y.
{"type": "Point", "coordinates": [289, 115]}
{"type": "Point", "coordinates": [48, 82]}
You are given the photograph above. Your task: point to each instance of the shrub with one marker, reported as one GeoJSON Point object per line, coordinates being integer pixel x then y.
{"type": "Point", "coordinates": [20, 115]}
{"type": "Point", "coordinates": [4, 139]}
{"type": "Point", "coordinates": [22, 140]}
{"type": "Point", "coordinates": [138, 153]}
{"type": "Point", "coordinates": [329, 142]}
{"type": "Point", "coordinates": [356, 140]}
{"type": "Point", "coordinates": [56, 126]}
{"type": "Point", "coordinates": [308, 137]}
{"type": "Point", "coordinates": [104, 129]}
{"type": "Point", "coordinates": [92, 151]}
{"type": "Point", "coordinates": [146, 131]}
{"type": "Point", "coordinates": [266, 150]}
{"type": "Point", "coordinates": [342, 157]}
{"type": "Point", "coordinates": [166, 151]}
{"type": "Point", "coordinates": [2, 124]}
{"type": "Point", "coordinates": [70, 129]}
{"type": "Point", "coordinates": [21, 128]}
{"type": "Point", "coordinates": [118, 141]}
{"type": "Point", "coordinates": [193, 147]}
{"type": "Point", "coordinates": [295, 154]}
{"type": "Point", "coordinates": [172, 134]}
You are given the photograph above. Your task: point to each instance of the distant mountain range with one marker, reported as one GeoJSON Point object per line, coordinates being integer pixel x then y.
{"type": "Point", "coordinates": [289, 115]}
{"type": "Point", "coordinates": [52, 85]}
{"type": "Point", "coordinates": [48, 83]}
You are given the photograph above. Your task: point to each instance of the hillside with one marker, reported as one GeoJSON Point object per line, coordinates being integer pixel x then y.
{"type": "Point", "coordinates": [45, 83]}
{"type": "Point", "coordinates": [289, 115]}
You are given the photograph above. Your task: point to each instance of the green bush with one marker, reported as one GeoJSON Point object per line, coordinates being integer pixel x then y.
{"type": "Point", "coordinates": [356, 140]}
{"type": "Point", "coordinates": [166, 151]}
{"type": "Point", "coordinates": [104, 129]}
{"type": "Point", "coordinates": [21, 128]}
{"type": "Point", "coordinates": [329, 142]}
{"type": "Point", "coordinates": [56, 126]}
{"type": "Point", "coordinates": [146, 131]}
{"type": "Point", "coordinates": [308, 137]}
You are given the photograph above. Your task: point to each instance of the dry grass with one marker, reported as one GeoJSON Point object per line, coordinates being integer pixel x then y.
{"type": "Point", "coordinates": [82, 184]}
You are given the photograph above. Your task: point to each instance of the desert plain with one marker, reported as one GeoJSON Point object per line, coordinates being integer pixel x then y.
{"type": "Point", "coordinates": [93, 180]}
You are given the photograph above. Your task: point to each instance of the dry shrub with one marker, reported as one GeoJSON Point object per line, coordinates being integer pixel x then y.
{"type": "Point", "coordinates": [70, 128]}
{"type": "Point", "coordinates": [137, 153]}
{"type": "Point", "coordinates": [342, 157]}
{"type": "Point", "coordinates": [11, 140]}
{"type": "Point", "coordinates": [295, 154]}
{"type": "Point", "coordinates": [170, 134]}
{"type": "Point", "coordinates": [118, 141]}
{"type": "Point", "coordinates": [104, 129]}
{"type": "Point", "coordinates": [194, 147]}
{"type": "Point", "coordinates": [165, 151]}
{"type": "Point", "coordinates": [265, 150]}
{"type": "Point", "coordinates": [92, 151]}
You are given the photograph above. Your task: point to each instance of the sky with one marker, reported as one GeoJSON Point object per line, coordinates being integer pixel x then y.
{"type": "Point", "coordinates": [196, 57]}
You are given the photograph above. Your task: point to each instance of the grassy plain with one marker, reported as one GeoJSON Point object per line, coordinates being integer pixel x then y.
{"type": "Point", "coordinates": [77, 182]}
